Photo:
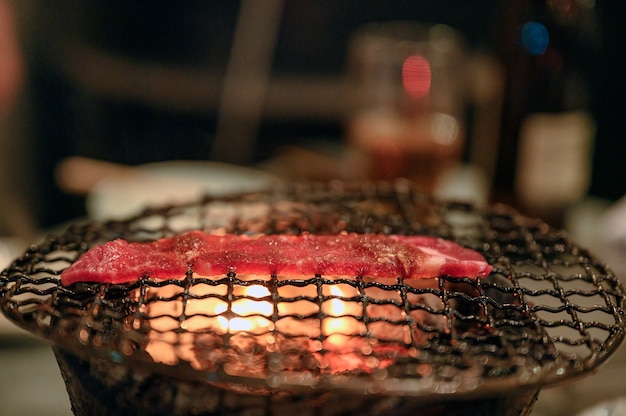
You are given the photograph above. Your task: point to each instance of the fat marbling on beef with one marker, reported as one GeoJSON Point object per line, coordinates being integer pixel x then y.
{"type": "Point", "coordinates": [373, 255]}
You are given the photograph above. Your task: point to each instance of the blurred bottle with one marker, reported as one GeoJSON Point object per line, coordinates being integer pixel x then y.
{"type": "Point", "coordinates": [548, 49]}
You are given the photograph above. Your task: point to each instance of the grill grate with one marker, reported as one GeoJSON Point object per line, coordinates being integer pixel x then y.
{"type": "Point", "coordinates": [548, 312]}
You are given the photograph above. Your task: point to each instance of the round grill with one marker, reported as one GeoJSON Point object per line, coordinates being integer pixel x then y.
{"type": "Point", "coordinates": [548, 312]}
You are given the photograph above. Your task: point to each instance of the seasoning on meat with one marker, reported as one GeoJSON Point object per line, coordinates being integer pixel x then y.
{"type": "Point", "coordinates": [373, 255]}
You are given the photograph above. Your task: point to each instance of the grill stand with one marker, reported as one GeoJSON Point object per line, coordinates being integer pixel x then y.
{"type": "Point", "coordinates": [98, 386]}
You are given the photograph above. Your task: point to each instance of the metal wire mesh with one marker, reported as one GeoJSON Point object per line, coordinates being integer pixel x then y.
{"type": "Point", "coordinates": [548, 312]}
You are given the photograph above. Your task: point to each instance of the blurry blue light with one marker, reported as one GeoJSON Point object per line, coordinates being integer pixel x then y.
{"type": "Point", "coordinates": [535, 38]}
{"type": "Point", "coordinates": [116, 357]}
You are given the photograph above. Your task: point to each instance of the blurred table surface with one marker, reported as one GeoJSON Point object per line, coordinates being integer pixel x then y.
{"type": "Point", "coordinates": [30, 381]}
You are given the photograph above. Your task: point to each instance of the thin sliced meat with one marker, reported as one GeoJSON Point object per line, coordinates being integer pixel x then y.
{"type": "Point", "coordinates": [373, 255]}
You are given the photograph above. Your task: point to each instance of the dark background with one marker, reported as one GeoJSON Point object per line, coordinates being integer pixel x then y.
{"type": "Point", "coordinates": [195, 36]}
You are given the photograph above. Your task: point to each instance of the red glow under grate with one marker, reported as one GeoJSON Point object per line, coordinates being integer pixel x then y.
{"type": "Point", "coordinates": [548, 312]}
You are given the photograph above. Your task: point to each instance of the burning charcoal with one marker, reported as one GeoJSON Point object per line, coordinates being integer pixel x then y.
{"type": "Point", "coordinates": [320, 343]}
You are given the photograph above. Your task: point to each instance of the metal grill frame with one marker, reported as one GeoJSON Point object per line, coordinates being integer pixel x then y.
{"type": "Point", "coordinates": [549, 312]}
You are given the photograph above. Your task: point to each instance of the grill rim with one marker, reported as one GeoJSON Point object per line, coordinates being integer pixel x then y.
{"type": "Point", "coordinates": [76, 234]}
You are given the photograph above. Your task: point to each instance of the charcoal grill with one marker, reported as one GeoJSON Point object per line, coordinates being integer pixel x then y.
{"type": "Point", "coordinates": [548, 313]}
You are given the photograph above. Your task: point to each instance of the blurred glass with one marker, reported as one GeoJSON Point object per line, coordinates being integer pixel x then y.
{"type": "Point", "coordinates": [406, 89]}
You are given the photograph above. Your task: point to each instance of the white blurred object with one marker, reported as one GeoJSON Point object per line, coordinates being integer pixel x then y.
{"type": "Point", "coordinates": [582, 221]}
{"type": "Point", "coordinates": [611, 408]}
{"type": "Point", "coordinates": [612, 233]}
{"type": "Point", "coordinates": [554, 161]}
{"type": "Point", "coordinates": [600, 226]}
{"type": "Point", "coordinates": [463, 182]}
{"type": "Point", "coordinates": [173, 182]}
{"type": "Point", "coordinates": [10, 249]}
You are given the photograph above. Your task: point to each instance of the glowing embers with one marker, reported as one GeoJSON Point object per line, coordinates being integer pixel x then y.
{"type": "Point", "coordinates": [255, 325]}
